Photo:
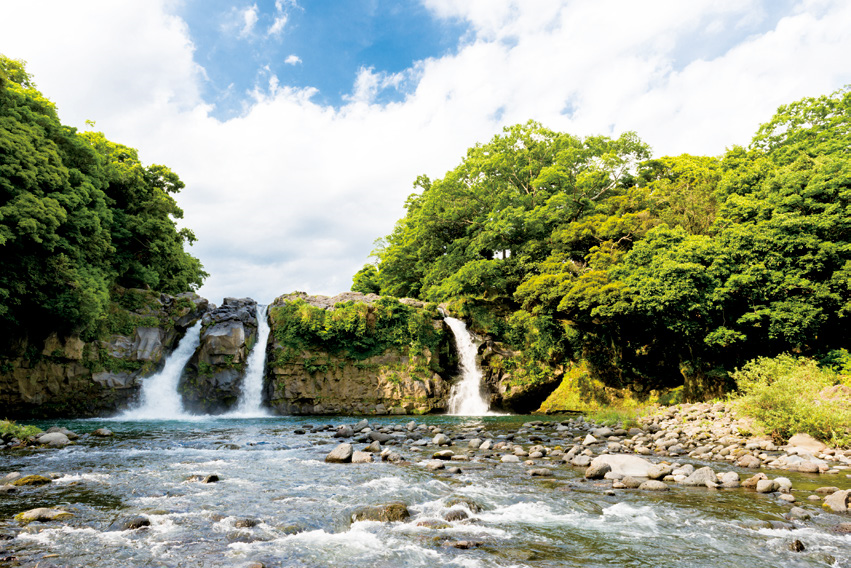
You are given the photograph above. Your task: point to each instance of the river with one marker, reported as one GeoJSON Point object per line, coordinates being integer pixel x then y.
{"type": "Point", "coordinates": [275, 477]}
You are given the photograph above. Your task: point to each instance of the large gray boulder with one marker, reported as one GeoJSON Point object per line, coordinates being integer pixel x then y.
{"type": "Point", "coordinates": [703, 477]}
{"type": "Point", "coordinates": [341, 454]}
{"type": "Point", "coordinates": [839, 501]}
{"type": "Point", "coordinates": [597, 471]}
{"type": "Point", "coordinates": [624, 464]}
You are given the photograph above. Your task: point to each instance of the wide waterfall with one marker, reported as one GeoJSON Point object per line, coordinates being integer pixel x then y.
{"type": "Point", "coordinates": [251, 397]}
{"type": "Point", "coordinates": [466, 398]}
{"type": "Point", "coordinates": [160, 399]}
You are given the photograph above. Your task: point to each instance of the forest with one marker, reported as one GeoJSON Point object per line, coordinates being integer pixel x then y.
{"type": "Point", "coordinates": [80, 217]}
{"type": "Point", "coordinates": [653, 272]}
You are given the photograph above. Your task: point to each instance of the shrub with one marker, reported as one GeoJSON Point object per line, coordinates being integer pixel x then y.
{"type": "Point", "coordinates": [787, 395]}
{"type": "Point", "coordinates": [8, 427]}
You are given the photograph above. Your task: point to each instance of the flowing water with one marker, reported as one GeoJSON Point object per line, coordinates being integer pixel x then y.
{"type": "Point", "coordinates": [159, 398]}
{"type": "Point", "coordinates": [272, 473]}
{"type": "Point", "coordinates": [251, 398]}
{"type": "Point", "coordinates": [466, 398]}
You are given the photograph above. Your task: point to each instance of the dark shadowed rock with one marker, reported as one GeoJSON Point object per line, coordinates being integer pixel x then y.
{"type": "Point", "coordinates": [387, 512]}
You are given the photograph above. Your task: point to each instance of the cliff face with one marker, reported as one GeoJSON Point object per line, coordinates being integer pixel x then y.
{"type": "Point", "coordinates": [512, 387]}
{"type": "Point", "coordinates": [356, 353]}
{"type": "Point", "coordinates": [67, 376]}
{"type": "Point", "coordinates": [212, 380]}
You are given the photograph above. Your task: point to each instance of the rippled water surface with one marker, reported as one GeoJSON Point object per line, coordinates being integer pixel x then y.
{"type": "Point", "coordinates": [302, 506]}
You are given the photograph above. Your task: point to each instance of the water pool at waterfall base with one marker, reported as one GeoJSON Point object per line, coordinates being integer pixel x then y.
{"type": "Point", "coordinates": [277, 502]}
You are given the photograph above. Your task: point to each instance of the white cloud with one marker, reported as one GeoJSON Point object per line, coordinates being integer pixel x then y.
{"type": "Point", "coordinates": [278, 25]}
{"type": "Point", "coordinates": [291, 194]}
{"type": "Point", "coordinates": [292, 60]}
{"type": "Point", "coordinates": [249, 18]}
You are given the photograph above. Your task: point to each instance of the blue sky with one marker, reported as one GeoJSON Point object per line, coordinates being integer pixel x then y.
{"type": "Point", "coordinates": [300, 127]}
{"type": "Point", "coordinates": [311, 43]}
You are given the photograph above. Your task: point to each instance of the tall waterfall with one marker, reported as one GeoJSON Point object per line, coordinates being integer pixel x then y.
{"type": "Point", "coordinates": [160, 399]}
{"type": "Point", "coordinates": [251, 397]}
{"type": "Point", "coordinates": [466, 398]}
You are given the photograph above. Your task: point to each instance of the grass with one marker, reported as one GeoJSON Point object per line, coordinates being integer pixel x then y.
{"type": "Point", "coordinates": [17, 430]}
{"type": "Point", "coordinates": [786, 395]}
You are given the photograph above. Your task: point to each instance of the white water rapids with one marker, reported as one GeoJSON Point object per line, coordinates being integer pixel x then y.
{"type": "Point", "coordinates": [159, 397]}
{"type": "Point", "coordinates": [466, 398]}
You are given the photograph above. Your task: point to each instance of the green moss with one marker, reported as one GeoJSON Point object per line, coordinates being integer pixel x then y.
{"type": "Point", "coordinates": [353, 330]}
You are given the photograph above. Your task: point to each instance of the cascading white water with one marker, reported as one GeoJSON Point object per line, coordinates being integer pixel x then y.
{"type": "Point", "coordinates": [466, 398]}
{"type": "Point", "coordinates": [159, 398]}
{"type": "Point", "coordinates": [251, 397]}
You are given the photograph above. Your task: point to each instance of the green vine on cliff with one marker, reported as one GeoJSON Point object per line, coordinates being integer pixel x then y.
{"type": "Point", "coordinates": [354, 330]}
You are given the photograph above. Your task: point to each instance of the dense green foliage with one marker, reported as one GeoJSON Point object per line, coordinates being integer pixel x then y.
{"type": "Point", "coordinates": [787, 395]}
{"type": "Point", "coordinates": [78, 215]}
{"type": "Point", "coordinates": [355, 330]}
{"type": "Point", "coordinates": [655, 272]}
{"type": "Point", "coordinates": [9, 430]}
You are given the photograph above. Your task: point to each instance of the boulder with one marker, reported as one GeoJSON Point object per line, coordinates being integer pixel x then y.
{"type": "Point", "coordinates": [631, 482]}
{"type": "Point", "coordinates": [766, 486]}
{"type": "Point", "coordinates": [806, 443]}
{"type": "Point", "coordinates": [654, 485]}
{"type": "Point", "coordinates": [625, 464]}
{"type": "Point", "coordinates": [387, 512]}
{"type": "Point", "coordinates": [102, 433]}
{"type": "Point", "coordinates": [341, 454]}
{"type": "Point", "coordinates": [510, 458]}
{"type": "Point", "coordinates": [751, 482]}
{"type": "Point", "coordinates": [31, 480]}
{"type": "Point", "coordinates": [42, 515]}
{"type": "Point", "coordinates": [541, 472]}
{"type": "Point", "coordinates": [703, 477]}
{"type": "Point", "coordinates": [581, 461]}
{"type": "Point", "coordinates": [658, 471]}
{"type": "Point", "coordinates": [749, 461]}
{"type": "Point", "coordinates": [131, 523]}
{"type": "Point", "coordinates": [54, 439]}
{"type": "Point", "coordinates": [597, 471]}
{"type": "Point", "coordinates": [838, 502]}
{"type": "Point", "coordinates": [440, 440]}
{"type": "Point", "coordinates": [344, 432]}
{"type": "Point", "coordinates": [361, 457]}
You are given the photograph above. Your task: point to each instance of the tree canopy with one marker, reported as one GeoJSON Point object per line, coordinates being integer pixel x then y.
{"type": "Point", "coordinates": [78, 216]}
{"type": "Point", "coordinates": [654, 271]}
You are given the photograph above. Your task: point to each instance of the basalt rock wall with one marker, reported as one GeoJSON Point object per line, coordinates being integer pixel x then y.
{"type": "Point", "coordinates": [67, 376]}
{"type": "Point", "coordinates": [358, 354]}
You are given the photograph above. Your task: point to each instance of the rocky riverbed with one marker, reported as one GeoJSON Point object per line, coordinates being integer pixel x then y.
{"type": "Point", "coordinates": [436, 491]}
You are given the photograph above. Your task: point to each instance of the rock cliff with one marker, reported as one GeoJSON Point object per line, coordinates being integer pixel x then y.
{"type": "Point", "coordinates": [71, 376]}
{"type": "Point", "coordinates": [358, 354]}
{"type": "Point", "coordinates": [212, 380]}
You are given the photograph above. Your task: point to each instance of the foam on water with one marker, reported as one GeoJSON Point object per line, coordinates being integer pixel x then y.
{"type": "Point", "coordinates": [159, 398]}
{"type": "Point", "coordinates": [531, 513]}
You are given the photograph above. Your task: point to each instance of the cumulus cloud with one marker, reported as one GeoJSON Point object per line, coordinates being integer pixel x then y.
{"type": "Point", "coordinates": [291, 193]}
{"type": "Point", "coordinates": [249, 18]}
{"type": "Point", "coordinates": [292, 59]}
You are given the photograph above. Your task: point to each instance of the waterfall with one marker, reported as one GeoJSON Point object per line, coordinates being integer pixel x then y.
{"type": "Point", "coordinates": [466, 398]}
{"type": "Point", "coordinates": [160, 399]}
{"type": "Point", "coordinates": [251, 397]}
